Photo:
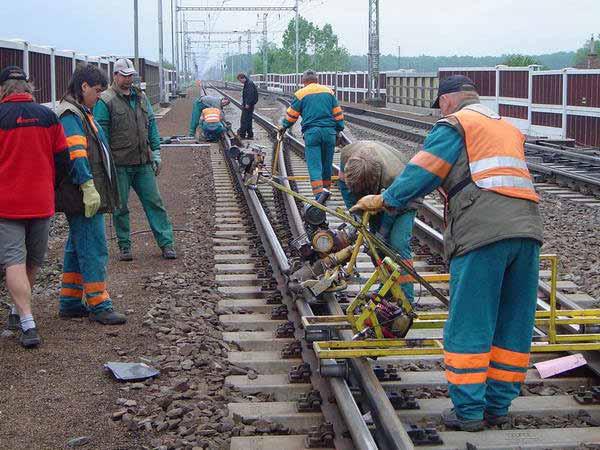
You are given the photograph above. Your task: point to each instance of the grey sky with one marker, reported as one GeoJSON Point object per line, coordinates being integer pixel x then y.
{"type": "Point", "coordinates": [435, 27]}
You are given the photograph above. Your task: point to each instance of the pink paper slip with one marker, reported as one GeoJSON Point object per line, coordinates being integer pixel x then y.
{"type": "Point", "coordinates": [559, 365]}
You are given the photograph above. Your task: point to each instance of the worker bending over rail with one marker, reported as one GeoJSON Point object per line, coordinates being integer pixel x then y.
{"type": "Point", "coordinates": [322, 120]}
{"type": "Point", "coordinates": [368, 167]}
{"type": "Point", "coordinates": [208, 114]}
{"type": "Point", "coordinates": [492, 240]}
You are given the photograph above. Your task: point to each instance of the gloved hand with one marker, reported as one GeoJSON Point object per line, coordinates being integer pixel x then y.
{"type": "Point", "coordinates": [370, 203]}
{"type": "Point", "coordinates": [339, 140]}
{"type": "Point", "coordinates": [156, 167]}
{"type": "Point", "coordinates": [91, 198]}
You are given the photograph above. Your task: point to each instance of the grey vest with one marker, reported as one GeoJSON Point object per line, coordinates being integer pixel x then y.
{"type": "Point", "coordinates": [69, 198]}
{"type": "Point", "coordinates": [128, 127]}
{"type": "Point", "coordinates": [476, 217]}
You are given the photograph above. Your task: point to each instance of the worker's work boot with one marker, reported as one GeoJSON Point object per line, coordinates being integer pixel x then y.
{"type": "Point", "coordinates": [169, 253]}
{"type": "Point", "coordinates": [493, 420]}
{"type": "Point", "coordinates": [108, 317]}
{"type": "Point", "coordinates": [30, 338]}
{"type": "Point", "coordinates": [125, 254]}
{"type": "Point", "coordinates": [451, 420]}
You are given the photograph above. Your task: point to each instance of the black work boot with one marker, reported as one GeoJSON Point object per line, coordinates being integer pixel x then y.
{"type": "Point", "coordinates": [108, 317]}
{"type": "Point", "coordinates": [168, 252]}
{"type": "Point", "coordinates": [30, 338]}
{"type": "Point", "coordinates": [494, 420]}
{"type": "Point", "coordinates": [125, 254]}
{"type": "Point", "coordinates": [451, 420]}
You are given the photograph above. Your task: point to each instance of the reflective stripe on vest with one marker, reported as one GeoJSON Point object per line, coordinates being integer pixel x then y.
{"type": "Point", "coordinates": [496, 153]}
{"type": "Point", "coordinates": [211, 115]}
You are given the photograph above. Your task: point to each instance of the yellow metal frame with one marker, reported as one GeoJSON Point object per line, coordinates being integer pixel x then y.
{"type": "Point", "coordinates": [550, 320]}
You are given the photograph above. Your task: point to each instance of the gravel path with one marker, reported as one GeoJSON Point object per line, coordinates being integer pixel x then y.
{"type": "Point", "coordinates": [59, 392]}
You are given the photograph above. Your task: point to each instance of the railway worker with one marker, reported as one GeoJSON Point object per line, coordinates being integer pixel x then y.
{"type": "Point", "coordinates": [32, 146]}
{"type": "Point", "coordinates": [322, 120]}
{"type": "Point", "coordinates": [126, 116]}
{"type": "Point", "coordinates": [249, 100]}
{"type": "Point", "coordinates": [368, 167]}
{"type": "Point", "coordinates": [87, 191]}
{"type": "Point", "coordinates": [208, 114]}
{"type": "Point", "coordinates": [492, 240]}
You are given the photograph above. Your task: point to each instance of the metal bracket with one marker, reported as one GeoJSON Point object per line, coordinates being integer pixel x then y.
{"type": "Point", "coordinates": [588, 397]}
{"type": "Point", "coordinates": [424, 436]}
{"type": "Point", "coordinates": [403, 400]}
{"type": "Point", "coordinates": [387, 373]}
{"type": "Point", "coordinates": [279, 312]}
{"type": "Point", "coordinates": [285, 330]}
{"type": "Point", "coordinates": [300, 374]}
{"type": "Point", "coordinates": [321, 436]}
{"type": "Point", "coordinates": [292, 350]}
{"type": "Point", "coordinates": [309, 402]}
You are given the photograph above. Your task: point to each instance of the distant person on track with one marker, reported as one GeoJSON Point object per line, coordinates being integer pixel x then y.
{"type": "Point", "coordinates": [86, 192]}
{"type": "Point", "coordinates": [492, 240]}
{"type": "Point", "coordinates": [249, 100]}
{"type": "Point", "coordinates": [32, 146]}
{"type": "Point", "coordinates": [322, 120]}
{"type": "Point", "coordinates": [208, 115]}
{"type": "Point", "coordinates": [126, 116]}
{"type": "Point", "coordinates": [368, 167]}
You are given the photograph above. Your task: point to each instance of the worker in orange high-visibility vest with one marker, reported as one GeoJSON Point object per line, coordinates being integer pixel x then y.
{"type": "Point", "coordinates": [212, 123]}
{"type": "Point", "coordinates": [492, 240]}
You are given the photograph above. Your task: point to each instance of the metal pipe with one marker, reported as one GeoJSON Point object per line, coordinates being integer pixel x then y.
{"type": "Point", "coordinates": [136, 46]}
{"type": "Point", "coordinates": [177, 66]}
{"type": "Point", "coordinates": [161, 74]}
{"type": "Point", "coordinates": [297, 42]}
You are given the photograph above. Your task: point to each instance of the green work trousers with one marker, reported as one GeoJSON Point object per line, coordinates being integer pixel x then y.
{"type": "Point", "coordinates": [143, 181]}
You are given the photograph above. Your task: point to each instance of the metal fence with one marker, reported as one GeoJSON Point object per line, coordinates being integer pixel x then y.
{"type": "Point", "coordinates": [50, 69]}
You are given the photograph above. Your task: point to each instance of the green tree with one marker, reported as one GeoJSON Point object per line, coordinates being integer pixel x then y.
{"type": "Point", "coordinates": [520, 61]}
{"type": "Point", "coordinates": [319, 49]}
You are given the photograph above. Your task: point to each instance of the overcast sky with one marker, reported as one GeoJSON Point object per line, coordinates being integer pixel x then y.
{"type": "Point", "coordinates": [433, 27]}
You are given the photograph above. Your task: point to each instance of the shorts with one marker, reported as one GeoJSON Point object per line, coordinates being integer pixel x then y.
{"type": "Point", "coordinates": [23, 241]}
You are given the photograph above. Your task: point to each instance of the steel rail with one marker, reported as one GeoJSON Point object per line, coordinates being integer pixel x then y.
{"type": "Point", "coordinates": [345, 402]}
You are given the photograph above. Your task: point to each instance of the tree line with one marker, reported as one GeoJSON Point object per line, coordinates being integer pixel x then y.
{"type": "Point", "coordinates": [321, 50]}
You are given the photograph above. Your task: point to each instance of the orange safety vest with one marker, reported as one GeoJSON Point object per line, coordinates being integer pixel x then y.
{"type": "Point", "coordinates": [496, 154]}
{"type": "Point", "coordinates": [211, 115]}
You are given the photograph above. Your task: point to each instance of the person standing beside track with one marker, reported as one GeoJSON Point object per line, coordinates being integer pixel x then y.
{"type": "Point", "coordinates": [368, 167]}
{"type": "Point", "coordinates": [85, 194]}
{"type": "Point", "coordinates": [249, 101]}
{"type": "Point", "coordinates": [32, 147]}
{"type": "Point", "coordinates": [322, 120]}
{"type": "Point", "coordinates": [492, 240]}
{"type": "Point", "coordinates": [128, 121]}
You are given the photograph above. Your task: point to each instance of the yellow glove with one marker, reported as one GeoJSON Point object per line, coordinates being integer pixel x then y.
{"type": "Point", "coordinates": [371, 203]}
{"type": "Point", "coordinates": [91, 198]}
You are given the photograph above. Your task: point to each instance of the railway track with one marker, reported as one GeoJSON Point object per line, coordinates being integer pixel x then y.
{"type": "Point", "coordinates": [290, 403]}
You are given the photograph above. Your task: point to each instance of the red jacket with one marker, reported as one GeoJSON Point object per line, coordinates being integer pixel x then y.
{"type": "Point", "coordinates": [32, 142]}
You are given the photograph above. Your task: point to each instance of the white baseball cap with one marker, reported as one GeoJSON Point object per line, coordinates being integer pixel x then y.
{"type": "Point", "coordinates": [125, 67]}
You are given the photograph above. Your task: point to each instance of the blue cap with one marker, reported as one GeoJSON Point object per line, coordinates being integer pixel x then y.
{"type": "Point", "coordinates": [454, 83]}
